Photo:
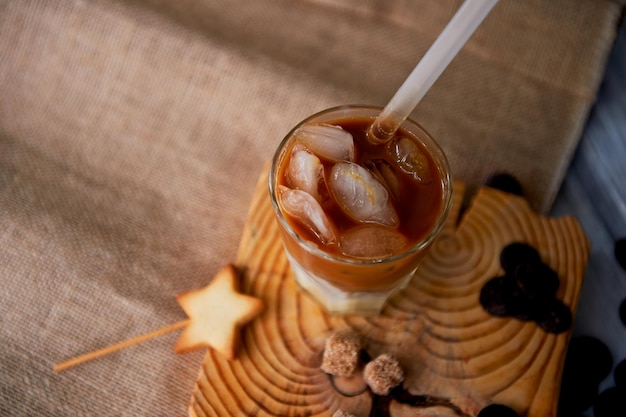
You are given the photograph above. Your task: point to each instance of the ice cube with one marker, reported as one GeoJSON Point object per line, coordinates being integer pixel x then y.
{"type": "Point", "coordinates": [411, 159]}
{"type": "Point", "coordinates": [372, 241]}
{"type": "Point", "coordinates": [305, 171]}
{"type": "Point", "coordinates": [384, 173]}
{"type": "Point", "coordinates": [303, 207]}
{"type": "Point", "coordinates": [360, 195]}
{"type": "Point", "coordinates": [327, 141]}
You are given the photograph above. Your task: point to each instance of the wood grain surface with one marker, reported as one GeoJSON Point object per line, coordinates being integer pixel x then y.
{"type": "Point", "coordinates": [457, 358]}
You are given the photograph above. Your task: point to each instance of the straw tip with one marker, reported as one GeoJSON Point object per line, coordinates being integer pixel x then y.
{"type": "Point", "coordinates": [380, 132]}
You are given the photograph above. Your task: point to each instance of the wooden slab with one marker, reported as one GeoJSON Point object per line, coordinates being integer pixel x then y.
{"type": "Point", "coordinates": [451, 349]}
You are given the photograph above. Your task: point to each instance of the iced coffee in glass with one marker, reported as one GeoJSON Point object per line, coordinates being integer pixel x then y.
{"type": "Point", "coordinates": [357, 216]}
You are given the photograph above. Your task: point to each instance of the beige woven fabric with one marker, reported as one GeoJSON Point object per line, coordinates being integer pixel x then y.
{"type": "Point", "coordinates": [132, 134]}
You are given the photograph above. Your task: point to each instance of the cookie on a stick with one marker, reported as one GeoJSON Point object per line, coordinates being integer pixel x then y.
{"type": "Point", "coordinates": [216, 314]}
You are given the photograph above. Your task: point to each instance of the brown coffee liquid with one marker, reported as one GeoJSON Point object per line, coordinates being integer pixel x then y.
{"type": "Point", "coordinates": [417, 204]}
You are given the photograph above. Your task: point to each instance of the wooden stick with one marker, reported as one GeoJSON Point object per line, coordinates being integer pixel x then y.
{"type": "Point", "coordinates": [119, 346]}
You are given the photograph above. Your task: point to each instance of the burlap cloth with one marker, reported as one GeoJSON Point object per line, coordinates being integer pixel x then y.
{"type": "Point", "coordinates": [132, 134]}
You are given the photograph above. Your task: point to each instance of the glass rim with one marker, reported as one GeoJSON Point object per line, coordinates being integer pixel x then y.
{"type": "Point", "coordinates": [440, 159]}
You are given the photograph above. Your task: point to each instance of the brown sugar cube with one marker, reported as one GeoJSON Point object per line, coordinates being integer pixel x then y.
{"type": "Point", "coordinates": [341, 354]}
{"type": "Point", "coordinates": [341, 413]}
{"type": "Point", "coordinates": [383, 373]}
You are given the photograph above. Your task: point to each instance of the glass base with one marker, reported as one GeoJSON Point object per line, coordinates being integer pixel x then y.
{"type": "Point", "coordinates": [337, 301]}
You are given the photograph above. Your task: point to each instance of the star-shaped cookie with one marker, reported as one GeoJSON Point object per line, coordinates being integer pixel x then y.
{"type": "Point", "coordinates": [217, 312]}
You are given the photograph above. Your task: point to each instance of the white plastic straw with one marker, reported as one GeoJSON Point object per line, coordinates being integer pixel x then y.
{"type": "Point", "coordinates": [427, 71]}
